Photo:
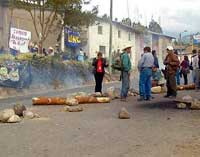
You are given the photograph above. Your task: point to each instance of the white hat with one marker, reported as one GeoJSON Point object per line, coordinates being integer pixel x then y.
{"type": "Point", "coordinates": [126, 47]}
{"type": "Point", "coordinates": [50, 48]}
{"type": "Point", "coordinates": [170, 48]}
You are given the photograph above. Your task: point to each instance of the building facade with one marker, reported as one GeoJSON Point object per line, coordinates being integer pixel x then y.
{"type": "Point", "coordinates": [98, 40]}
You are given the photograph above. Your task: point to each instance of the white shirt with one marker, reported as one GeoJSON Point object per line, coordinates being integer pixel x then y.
{"type": "Point", "coordinates": [195, 62]}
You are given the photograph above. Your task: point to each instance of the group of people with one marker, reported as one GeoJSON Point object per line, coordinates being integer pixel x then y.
{"type": "Point", "coordinates": [34, 48]}
{"type": "Point", "coordinates": [146, 67]}
{"type": "Point", "coordinates": [189, 65]}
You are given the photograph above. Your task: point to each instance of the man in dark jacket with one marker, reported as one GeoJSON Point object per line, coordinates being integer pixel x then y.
{"type": "Point", "coordinates": [99, 64]}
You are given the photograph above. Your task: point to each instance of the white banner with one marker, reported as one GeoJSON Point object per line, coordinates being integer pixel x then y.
{"type": "Point", "coordinates": [19, 40]}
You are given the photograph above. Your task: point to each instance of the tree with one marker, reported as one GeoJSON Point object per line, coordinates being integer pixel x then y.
{"type": "Point", "coordinates": [47, 15]}
{"type": "Point", "coordinates": [155, 27]}
{"type": "Point", "coordinates": [74, 17]}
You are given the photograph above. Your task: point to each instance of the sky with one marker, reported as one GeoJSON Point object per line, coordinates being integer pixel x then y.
{"type": "Point", "coordinates": [174, 16]}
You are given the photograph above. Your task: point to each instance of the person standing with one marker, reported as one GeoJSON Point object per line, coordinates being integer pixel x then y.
{"type": "Point", "coordinates": [156, 63]}
{"type": "Point", "coordinates": [172, 63]}
{"type": "Point", "coordinates": [185, 69]}
{"type": "Point", "coordinates": [194, 54]}
{"type": "Point", "coordinates": [99, 64]}
{"type": "Point", "coordinates": [196, 68]}
{"type": "Point", "coordinates": [178, 72]}
{"type": "Point", "coordinates": [125, 72]}
{"type": "Point", "coordinates": [145, 66]}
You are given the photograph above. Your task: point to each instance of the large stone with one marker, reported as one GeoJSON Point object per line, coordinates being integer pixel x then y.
{"type": "Point", "coordinates": [6, 114]}
{"type": "Point", "coordinates": [96, 94]}
{"type": "Point", "coordinates": [28, 115]}
{"type": "Point", "coordinates": [124, 114]}
{"type": "Point", "coordinates": [14, 119]}
{"type": "Point", "coordinates": [71, 102]}
{"type": "Point", "coordinates": [156, 90]}
{"type": "Point", "coordinates": [195, 105]}
{"type": "Point", "coordinates": [37, 115]}
{"type": "Point", "coordinates": [73, 108]}
{"type": "Point", "coordinates": [19, 108]}
{"type": "Point", "coordinates": [113, 92]}
{"type": "Point", "coordinates": [181, 106]}
{"type": "Point", "coordinates": [187, 98]}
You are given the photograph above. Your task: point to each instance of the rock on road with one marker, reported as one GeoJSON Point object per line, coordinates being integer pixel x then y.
{"type": "Point", "coordinates": [156, 129]}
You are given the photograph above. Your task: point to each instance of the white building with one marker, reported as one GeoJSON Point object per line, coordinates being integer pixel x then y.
{"type": "Point", "coordinates": [98, 40]}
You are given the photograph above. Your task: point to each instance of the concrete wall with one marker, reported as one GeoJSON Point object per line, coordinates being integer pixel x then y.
{"type": "Point", "coordinates": [22, 20]}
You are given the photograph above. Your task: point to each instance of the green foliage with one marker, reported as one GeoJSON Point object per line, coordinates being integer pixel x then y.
{"type": "Point", "coordinates": [155, 27]}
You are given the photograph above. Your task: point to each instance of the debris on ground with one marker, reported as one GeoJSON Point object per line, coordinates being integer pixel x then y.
{"type": "Point", "coordinates": [133, 92]}
{"type": "Point", "coordinates": [113, 93]}
{"type": "Point", "coordinates": [124, 114]}
{"type": "Point", "coordinates": [14, 119]}
{"type": "Point", "coordinates": [181, 106]}
{"type": "Point", "coordinates": [17, 114]}
{"type": "Point", "coordinates": [195, 105]}
{"type": "Point", "coordinates": [71, 102]}
{"type": "Point", "coordinates": [48, 101]}
{"type": "Point", "coordinates": [19, 108]}
{"type": "Point", "coordinates": [28, 115]}
{"type": "Point", "coordinates": [187, 98]}
{"type": "Point", "coordinates": [37, 115]}
{"type": "Point", "coordinates": [189, 101]}
{"type": "Point", "coordinates": [6, 114]}
{"type": "Point", "coordinates": [73, 108]}
{"type": "Point", "coordinates": [186, 87]}
{"type": "Point", "coordinates": [158, 89]}
{"type": "Point", "coordinates": [92, 99]}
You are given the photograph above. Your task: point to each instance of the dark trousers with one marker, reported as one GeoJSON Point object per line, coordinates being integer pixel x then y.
{"type": "Point", "coordinates": [185, 79]}
{"type": "Point", "coordinates": [171, 85]}
{"type": "Point", "coordinates": [125, 84]}
{"type": "Point", "coordinates": [98, 80]}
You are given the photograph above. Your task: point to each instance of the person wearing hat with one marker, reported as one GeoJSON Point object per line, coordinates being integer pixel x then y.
{"type": "Point", "coordinates": [50, 51]}
{"type": "Point", "coordinates": [172, 63]}
{"type": "Point", "coordinates": [125, 71]}
{"type": "Point", "coordinates": [145, 66]}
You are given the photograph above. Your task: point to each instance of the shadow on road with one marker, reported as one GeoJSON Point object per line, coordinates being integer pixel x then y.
{"type": "Point", "coordinates": [167, 104]}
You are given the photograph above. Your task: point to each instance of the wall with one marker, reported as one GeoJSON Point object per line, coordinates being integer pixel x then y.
{"type": "Point", "coordinates": [95, 40]}
{"type": "Point", "coordinates": [22, 20]}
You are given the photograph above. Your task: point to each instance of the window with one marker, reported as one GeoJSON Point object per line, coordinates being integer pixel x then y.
{"type": "Point", "coordinates": [129, 36]}
{"type": "Point", "coordinates": [119, 34]}
{"type": "Point", "coordinates": [102, 49]}
{"type": "Point", "coordinates": [100, 29]}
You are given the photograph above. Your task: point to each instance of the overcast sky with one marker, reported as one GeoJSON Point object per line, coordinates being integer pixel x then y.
{"type": "Point", "coordinates": [175, 15]}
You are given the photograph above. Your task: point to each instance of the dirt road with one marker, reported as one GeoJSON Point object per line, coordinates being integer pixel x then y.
{"type": "Point", "coordinates": [156, 129]}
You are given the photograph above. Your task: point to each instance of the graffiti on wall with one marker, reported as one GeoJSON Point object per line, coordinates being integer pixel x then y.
{"type": "Point", "coordinates": [15, 74]}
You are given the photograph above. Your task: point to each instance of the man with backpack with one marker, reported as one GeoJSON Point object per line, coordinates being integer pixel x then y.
{"type": "Point", "coordinates": [172, 63]}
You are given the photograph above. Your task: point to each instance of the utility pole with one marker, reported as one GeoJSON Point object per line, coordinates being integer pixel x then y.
{"type": "Point", "coordinates": [110, 41]}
